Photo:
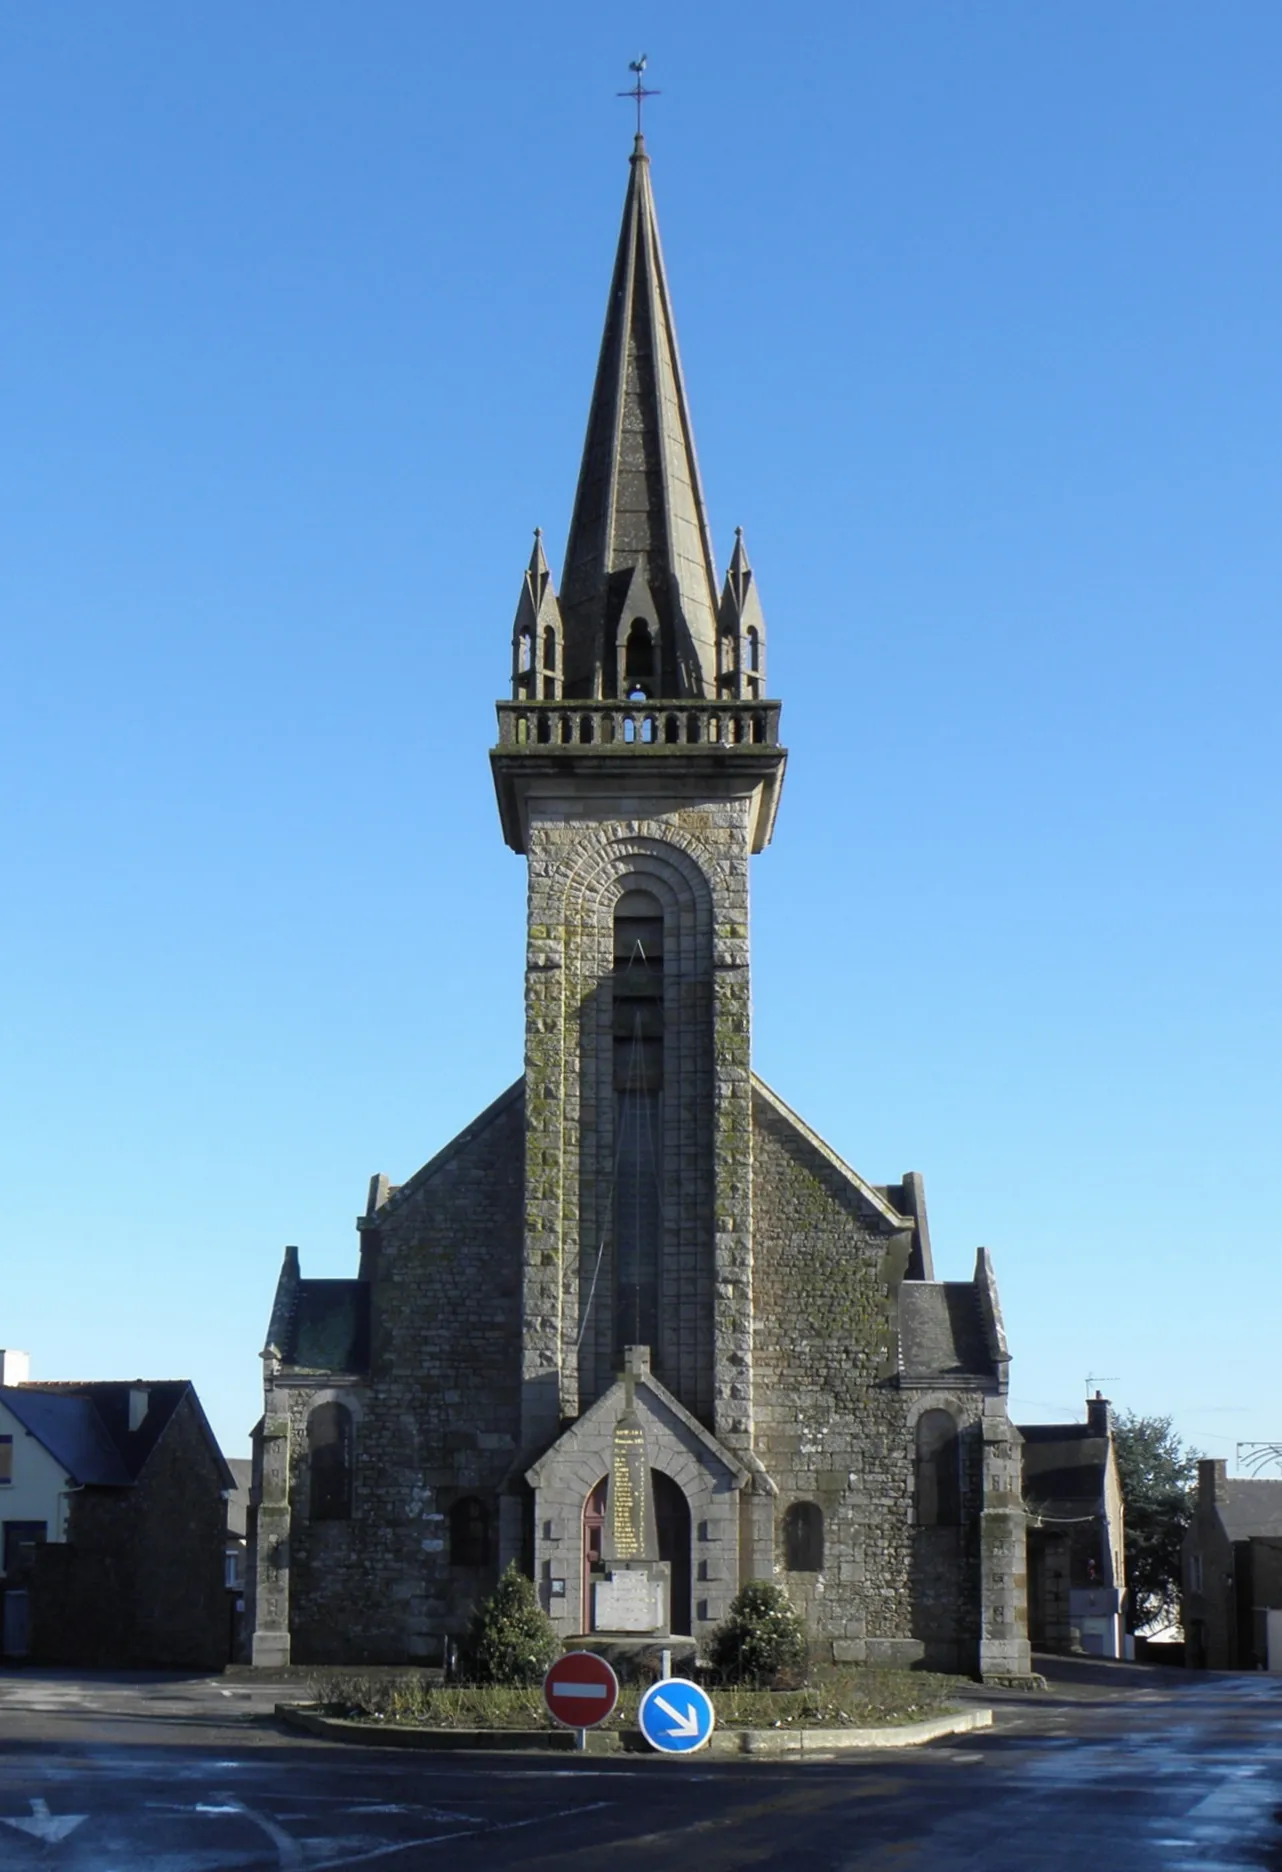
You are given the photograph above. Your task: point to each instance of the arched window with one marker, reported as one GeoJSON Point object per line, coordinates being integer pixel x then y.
{"type": "Point", "coordinates": [470, 1532]}
{"type": "Point", "coordinates": [803, 1538]}
{"type": "Point", "coordinates": [329, 1461]}
{"type": "Point", "coordinates": [639, 673]}
{"type": "Point", "coordinates": [938, 1482]}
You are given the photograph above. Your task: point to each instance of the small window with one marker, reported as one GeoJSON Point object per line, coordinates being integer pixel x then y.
{"type": "Point", "coordinates": [803, 1538]}
{"type": "Point", "coordinates": [938, 1482]}
{"type": "Point", "coordinates": [470, 1533]}
{"type": "Point", "coordinates": [21, 1538]}
{"type": "Point", "coordinates": [329, 1452]}
{"type": "Point", "coordinates": [6, 1459]}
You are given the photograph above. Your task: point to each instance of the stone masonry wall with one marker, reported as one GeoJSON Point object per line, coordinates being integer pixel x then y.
{"type": "Point", "coordinates": [582, 857]}
{"type": "Point", "coordinates": [833, 1426]}
{"type": "Point", "coordinates": [438, 1418]}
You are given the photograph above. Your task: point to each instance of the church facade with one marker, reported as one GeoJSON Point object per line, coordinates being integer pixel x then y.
{"type": "Point", "coordinates": [639, 1222]}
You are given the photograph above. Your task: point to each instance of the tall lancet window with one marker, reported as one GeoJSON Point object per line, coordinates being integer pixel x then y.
{"type": "Point", "coordinates": [638, 1095]}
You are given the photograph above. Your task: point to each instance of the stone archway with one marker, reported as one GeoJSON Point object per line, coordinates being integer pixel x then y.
{"type": "Point", "coordinates": [672, 1524]}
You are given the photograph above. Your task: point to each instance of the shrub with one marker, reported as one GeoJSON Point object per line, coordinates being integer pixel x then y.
{"type": "Point", "coordinates": [763, 1641]}
{"type": "Point", "coordinates": [512, 1640]}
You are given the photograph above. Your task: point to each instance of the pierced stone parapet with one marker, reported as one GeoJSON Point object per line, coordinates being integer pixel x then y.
{"type": "Point", "coordinates": [638, 726]}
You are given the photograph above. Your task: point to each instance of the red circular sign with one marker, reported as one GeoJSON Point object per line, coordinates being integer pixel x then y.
{"type": "Point", "coordinates": [580, 1690]}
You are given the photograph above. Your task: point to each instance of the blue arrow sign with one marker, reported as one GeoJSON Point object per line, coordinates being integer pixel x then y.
{"type": "Point", "coordinates": [676, 1716]}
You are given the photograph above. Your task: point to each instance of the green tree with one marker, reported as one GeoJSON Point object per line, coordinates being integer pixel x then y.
{"type": "Point", "coordinates": [512, 1640]}
{"type": "Point", "coordinates": [762, 1641]}
{"type": "Point", "coordinates": [1159, 1483]}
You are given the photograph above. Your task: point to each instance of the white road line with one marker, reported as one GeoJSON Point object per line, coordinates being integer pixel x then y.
{"type": "Point", "coordinates": [441, 1839]}
{"type": "Point", "coordinates": [289, 1853]}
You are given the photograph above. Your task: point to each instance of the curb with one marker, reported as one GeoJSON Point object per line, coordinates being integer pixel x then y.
{"type": "Point", "coordinates": [756, 1742]}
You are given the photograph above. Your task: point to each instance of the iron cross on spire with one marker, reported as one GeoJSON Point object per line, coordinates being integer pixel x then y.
{"type": "Point", "coordinates": [638, 90]}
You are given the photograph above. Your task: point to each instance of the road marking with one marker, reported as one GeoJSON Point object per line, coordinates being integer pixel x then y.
{"type": "Point", "coordinates": [289, 1854]}
{"type": "Point", "coordinates": [807, 1801]}
{"type": "Point", "coordinates": [440, 1839]}
{"type": "Point", "coordinates": [46, 1826]}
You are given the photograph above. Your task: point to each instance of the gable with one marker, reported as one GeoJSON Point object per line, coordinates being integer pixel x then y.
{"type": "Point", "coordinates": [453, 1156]}
{"type": "Point", "coordinates": [654, 1402]}
{"type": "Point", "coordinates": [862, 1199]}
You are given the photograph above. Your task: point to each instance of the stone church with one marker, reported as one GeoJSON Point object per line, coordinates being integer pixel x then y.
{"type": "Point", "coordinates": [639, 1221]}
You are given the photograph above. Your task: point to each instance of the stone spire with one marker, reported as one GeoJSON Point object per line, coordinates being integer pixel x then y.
{"type": "Point", "coordinates": [639, 591]}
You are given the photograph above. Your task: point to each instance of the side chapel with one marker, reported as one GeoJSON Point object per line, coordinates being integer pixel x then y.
{"type": "Point", "coordinates": [639, 1222]}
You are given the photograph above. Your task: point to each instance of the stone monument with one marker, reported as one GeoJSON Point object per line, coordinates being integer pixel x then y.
{"type": "Point", "coordinates": [635, 1595]}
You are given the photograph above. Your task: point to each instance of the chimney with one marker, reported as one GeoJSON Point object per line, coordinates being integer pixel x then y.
{"type": "Point", "coordinates": [1099, 1415]}
{"type": "Point", "coordinates": [1212, 1480]}
{"type": "Point", "coordinates": [15, 1368]}
{"type": "Point", "coordinates": [139, 1399]}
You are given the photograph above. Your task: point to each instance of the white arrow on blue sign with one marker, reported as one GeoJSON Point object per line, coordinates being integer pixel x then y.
{"type": "Point", "coordinates": [676, 1716]}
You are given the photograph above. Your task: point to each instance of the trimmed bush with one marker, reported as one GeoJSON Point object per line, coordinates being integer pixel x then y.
{"type": "Point", "coordinates": [763, 1641]}
{"type": "Point", "coordinates": [512, 1640]}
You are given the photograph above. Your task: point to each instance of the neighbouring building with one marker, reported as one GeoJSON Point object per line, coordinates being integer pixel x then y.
{"type": "Point", "coordinates": [1232, 1572]}
{"type": "Point", "coordinates": [112, 1501]}
{"type": "Point", "coordinates": [235, 1546]}
{"type": "Point", "coordinates": [815, 1404]}
{"type": "Point", "coordinates": [1076, 1555]}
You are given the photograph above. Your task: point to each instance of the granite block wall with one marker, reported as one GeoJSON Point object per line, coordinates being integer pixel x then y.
{"type": "Point", "coordinates": [438, 1417]}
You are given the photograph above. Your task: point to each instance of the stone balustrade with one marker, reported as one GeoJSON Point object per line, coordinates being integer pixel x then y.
{"type": "Point", "coordinates": [638, 725]}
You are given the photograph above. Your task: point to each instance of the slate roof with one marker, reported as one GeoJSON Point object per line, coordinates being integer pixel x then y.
{"type": "Point", "coordinates": [328, 1327]}
{"type": "Point", "coordinates": [941, 1331]}
{"type": "Point", "coordinates": [1250, 1509]}
{"type": "Point", "coordinates": [85, 1426]}
{"type": "Point", "coordinates": [1064, 1467]}
{"type": "Point", "coordinates": [238, 1500]}
{"type": "Point", "coordinates": [72, 1432]}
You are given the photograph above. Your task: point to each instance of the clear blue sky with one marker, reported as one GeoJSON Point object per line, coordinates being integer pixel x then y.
{"type": "Point", "coordinates": [980, 306]}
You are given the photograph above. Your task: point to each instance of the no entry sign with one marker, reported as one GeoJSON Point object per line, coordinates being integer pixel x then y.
{"type": "Point", "coordinates": [580, 1690]}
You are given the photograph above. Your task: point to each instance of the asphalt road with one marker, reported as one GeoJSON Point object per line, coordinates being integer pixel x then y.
{"type": "Point", "coordinates": [1113, 1771]}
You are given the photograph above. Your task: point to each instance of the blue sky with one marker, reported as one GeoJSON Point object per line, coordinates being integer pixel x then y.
{"type": "Point", "coordinates": [979, 307]}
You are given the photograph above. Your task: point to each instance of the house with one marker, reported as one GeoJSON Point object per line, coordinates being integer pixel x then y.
{"type": "Point", "coordinates": [1232, 1560]}
{"type": "Point", "coordinates": [1076, 1558]}
{"type": "Point", "coordinates": [639, 1242]}
{"type": "Point", "coordinates": [112, 1499]}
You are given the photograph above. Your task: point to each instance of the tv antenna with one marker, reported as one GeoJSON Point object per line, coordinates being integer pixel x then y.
{"type": "Point", "coordinates": [1257, 1456]}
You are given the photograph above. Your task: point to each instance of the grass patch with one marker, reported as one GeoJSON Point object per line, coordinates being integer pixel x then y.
{"type": "Point", "coordinates": [847, 1697]}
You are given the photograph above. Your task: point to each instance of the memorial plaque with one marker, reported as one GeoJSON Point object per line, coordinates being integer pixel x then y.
{"type": "Point", "coordinates": [629, 1602]}
{"type": "Point", "coordinates": [629, 1533]}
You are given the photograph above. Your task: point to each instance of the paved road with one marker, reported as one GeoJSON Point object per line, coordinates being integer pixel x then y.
{"type": "Point", "coordinates": [1113, 1772]}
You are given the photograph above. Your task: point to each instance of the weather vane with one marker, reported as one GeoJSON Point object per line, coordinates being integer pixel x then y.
{"type": "Point", "coordinates": [638, 90]}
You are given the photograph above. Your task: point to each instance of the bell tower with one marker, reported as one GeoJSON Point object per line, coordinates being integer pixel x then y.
{"type": "Point", "coordinates": [638, 768]}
